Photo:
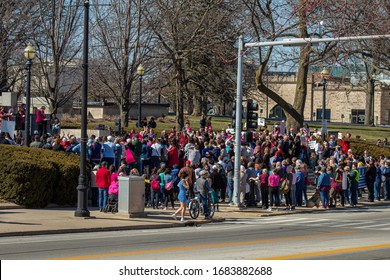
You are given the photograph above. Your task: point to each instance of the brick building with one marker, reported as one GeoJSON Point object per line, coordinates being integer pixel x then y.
{"type": "Point", "coordinates": [344, 102]}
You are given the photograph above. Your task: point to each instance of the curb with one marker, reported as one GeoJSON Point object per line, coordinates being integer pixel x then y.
{"type": "Point", "coordinates": [189, 223]}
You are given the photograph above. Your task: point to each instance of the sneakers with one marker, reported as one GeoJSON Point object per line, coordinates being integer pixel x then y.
{"type": "Point", "coordinates": [269, 209]}
{"type": "Point", "coordinates": [183, 220]}
{"type": "Point", "coordinates": [174, 216]}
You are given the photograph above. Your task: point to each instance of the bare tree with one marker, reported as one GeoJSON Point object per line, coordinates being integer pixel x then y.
{"type": "Point", "coordinates": [184, 30]}
{"type": "Point", "coordinates": [58, 45]}
{"type": "Point", "coordinates": [285, 19]}
{"type": "Point", "coordinates": [14, 31]}
{"type": "Point", "coordinates": [120, 44]}
{"type": "Point", "coordinates": [274, 20]}
{"type": "Point", "coordinates": [369, 17]}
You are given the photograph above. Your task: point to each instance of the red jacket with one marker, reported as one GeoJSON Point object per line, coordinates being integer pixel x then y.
{"type": "Point", "coordinates": [344, 146]}
{"type": "Point", "coordinates": [173, 156]}
{"type": "Point", "coordinates": [103, 178]}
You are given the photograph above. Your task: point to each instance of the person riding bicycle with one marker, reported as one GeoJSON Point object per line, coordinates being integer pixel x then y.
{"type": "Point", "coordinates": [203, 188]}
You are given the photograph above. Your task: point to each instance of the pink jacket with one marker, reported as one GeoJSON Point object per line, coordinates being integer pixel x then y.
{"type": "Point", "coordinates": [274, 180]}
{"type": "Point", "coordinates": [40, 116]}
{"type": "Point", "coordinates": [114, 186]}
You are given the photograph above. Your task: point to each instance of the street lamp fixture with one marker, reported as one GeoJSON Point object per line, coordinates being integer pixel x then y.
{"type": "Point", "coordinates": [325, 76]}
{"type": "Point", "coordinates": [29, 54]}
{"type": "Point", "coordinates": [140, 72]}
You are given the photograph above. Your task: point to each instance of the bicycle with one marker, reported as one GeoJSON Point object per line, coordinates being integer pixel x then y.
{"type": "Point", "coordinates": [195, 207]}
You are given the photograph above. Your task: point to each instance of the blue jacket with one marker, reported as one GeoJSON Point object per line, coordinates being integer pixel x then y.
{"type": "Point", "coordinates": [323, 180]}
{"type": "Point", "coordinates": [378, 177]}
{"type": "Point", "coordinates": [145, 151]}
{"type": "Point", "coordinates": [300, 183]}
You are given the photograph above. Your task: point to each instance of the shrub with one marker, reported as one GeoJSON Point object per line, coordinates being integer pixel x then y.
{"type": "Point", "coordinates": [359, 146]}
{"type": "Point", "coordinates": [36, 177]}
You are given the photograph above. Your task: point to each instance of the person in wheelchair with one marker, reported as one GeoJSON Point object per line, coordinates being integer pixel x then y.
{"type": "Point", "coordinates": [113, 189]}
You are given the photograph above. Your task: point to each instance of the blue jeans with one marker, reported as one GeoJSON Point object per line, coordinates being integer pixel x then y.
{"type": "Point", "coordinates": [304, 190]}
{"type": "Point", "coordinates": [354, 195]}
{"type": "Point", "coordinates": [154, 162]}
{"type": "Point", "coordinates": [138, 162]}
{"type": "Point", "coordinates": [230, 189]}
{"type": "Point", "coordinates": [117, 163]}
{"type": "Point", "coordinates": [155, 198]}
{"type": "Point", "coordinates": [346, 196]}
{"type": "Point", "coordinates": [387, 189]}
{"type": "Point", "coordinates": [298, 195]}
{"type": "Point", "coordinates": [205, 203]}
{"type": "Point", "coordinates": [377, 190]}
{"type": "Point", "coordinates": [293, 195]}
{"type": "Point", "coordinates": [110, 161]}
{"type": "Point", "coordinates": [325, 197]}
{"type": "Point", "coordinates": [103, 194]}
{"type": "Point", "coordinates": [274, 196]}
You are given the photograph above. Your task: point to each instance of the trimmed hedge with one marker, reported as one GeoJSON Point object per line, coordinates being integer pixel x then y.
{"type": "Point", "coordinates": [359, 146]}
{"type": "Point", "coordinates": [36, 177]}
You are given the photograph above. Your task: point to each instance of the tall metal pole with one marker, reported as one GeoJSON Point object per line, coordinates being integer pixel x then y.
{"type": "Point", "coordinates": [238, 128]}
{"type": "Point", "coordinates": [323, 130]}
{"type": "Point", "coordinates": [312, 98]}
{"type": "Point", "coordinates": [82, 188]}
{"type": "Point", "coordinates": [372, 102]}
{"type": "Point", "coordinates": [27, 128]}
{"type": "Point", "coordinates": [139, 102]}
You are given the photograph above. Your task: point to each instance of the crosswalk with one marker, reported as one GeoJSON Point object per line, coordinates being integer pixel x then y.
{"type": "Point", "coordinates": [383, 224]}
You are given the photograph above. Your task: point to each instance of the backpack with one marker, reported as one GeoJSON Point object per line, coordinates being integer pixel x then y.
{"type": "Point", "coordinates": [155, 184]}
{"type": "Point", "coordinates": [285, 187]}
{"type": "Point", "coordinates": [169, 185]}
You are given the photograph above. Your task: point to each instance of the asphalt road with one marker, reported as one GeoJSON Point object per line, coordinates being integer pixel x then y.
{"type": "Point", "coordinates": [351, 234]}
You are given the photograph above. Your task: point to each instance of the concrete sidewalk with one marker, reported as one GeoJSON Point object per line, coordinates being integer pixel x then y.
{"type": "Point", "coordinates": [18, 221]}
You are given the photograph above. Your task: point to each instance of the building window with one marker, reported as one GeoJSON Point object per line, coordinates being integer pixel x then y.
{"type": "Point", "coordinates": [357, 116]}
{"type": "Point", "coordinates": [277, 113]}
{"type": "Point", "coordinates": [319, 114]}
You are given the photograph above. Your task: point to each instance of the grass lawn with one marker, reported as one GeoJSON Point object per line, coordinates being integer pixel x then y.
{"type": "Point", "coordinates": [371, 134]}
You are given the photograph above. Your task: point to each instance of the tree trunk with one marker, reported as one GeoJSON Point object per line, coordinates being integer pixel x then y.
{"type": "Point", "coordinates": [124, 110]}
{"type": "Point", "coordinates": [303, 69]}
{"type": "Point", "coordinates": [369, 112]}
{"type": "Point", "coordinates": [3, 76]}
{"type": "Point", "coordinates": [190, 102]}
{"type": "Point", "coordinates": [180, 97]}
{"type": "Point", "coordinates": [300, 91]}
{"type": "Point", "coordinates": [197, 104]}
{"type": "Point", "coordinates": [204, 103]}
{"type": "Point", "coordinates": [124, 114]}
{"type": "Point", "coordinates": [289, 110]}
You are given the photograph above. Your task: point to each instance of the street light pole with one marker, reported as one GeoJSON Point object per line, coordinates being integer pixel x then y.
{"type": "Point", "coordinates": [82, 188]}
{"type": "Point", "coordinates": [324, 74]}
{"type": "Point", "coordinates": [29, 54]}
{"type": "Point", "coordinates": [140, 72]}
{"type": "Point", "coordinates": [238, 127]}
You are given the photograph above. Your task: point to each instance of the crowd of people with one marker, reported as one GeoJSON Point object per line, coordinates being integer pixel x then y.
{"type": "Point", "coordinates": [274, 166]}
